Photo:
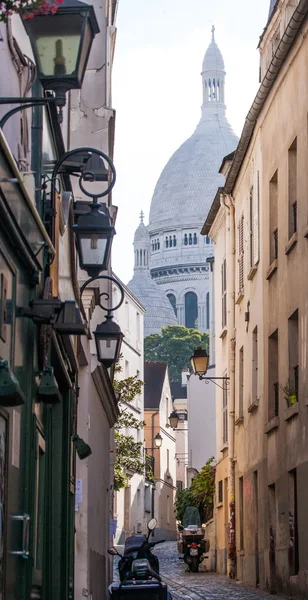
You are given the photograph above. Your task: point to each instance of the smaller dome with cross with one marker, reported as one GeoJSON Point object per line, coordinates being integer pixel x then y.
{"type": "Point", "coordinates": [213, 60]}
{"type": "Point", "coordinates": [141, 233]}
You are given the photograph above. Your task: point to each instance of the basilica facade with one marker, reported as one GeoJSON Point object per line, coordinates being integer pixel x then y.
{"type": "Point", "coordinates": [171, 273]}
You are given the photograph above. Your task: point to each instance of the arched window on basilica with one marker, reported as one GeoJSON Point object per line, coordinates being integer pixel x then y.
{"type": "Point", "coordinates": [174, 240]}
{"type": "Point", "coordinates": [185, 239]}
{"type": "Point", "coordinates": [170, 241]}
{"type": "Point", "coordinates": [166, 242]}
{"type": "Point", "coordinates": [191, 310]}
{"type": "Point", "coordinates": [195, 239]}
{"type": "Point", "coordinates": [190, 239]}
{"type": "Point", "coordinates": [172, 300]}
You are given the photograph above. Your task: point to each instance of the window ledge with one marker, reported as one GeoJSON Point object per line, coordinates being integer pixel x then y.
{"type": "Point", "coordinates": [254, 405]}
{"type": "Point", "coordinates": [224, 447]}
{"type": "Point", "coordinates": [271, 270]}
{"type": "Point", "coordinates": [223, 333]}
{"type": "Point", "coordinates": [291, 243]}
{"type": "Point", "coordinates": [271, 425]}
{"type": "Point", "coordinates": [219, 505]}
{"type": "Point", "coordinates": [252, 272]}
{"type": "Point", "coordinates": [240, 297]}
{"type": "Point", "coordinates": [239, 421]}
{"type": "Point", "coordinates": [291, 411]}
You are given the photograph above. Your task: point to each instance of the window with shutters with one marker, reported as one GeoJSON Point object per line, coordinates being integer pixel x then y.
{"type": "Point", "coordinates": [273, 376]}
{"type": "Point", "coordinates": [255, 365]}
{"type": "Point", "coordinates": [241, 256]}
{"type": "Point", "coordinates": [241, 384]}
{"type": "Point", "coordinates": [251, 228]}
{"type": "Point", "coordinates": [220, 491]}
{"type": "Point", "coordinates": [292, 177]}
{"type": "Point", "coordinates": [224, 412]}
{"type": "Point", "coordinates": [224, 294]}
{"type": "Point", "coordinates": [254, 225]}
{"type": "Point", "coordinates": [273, 216]}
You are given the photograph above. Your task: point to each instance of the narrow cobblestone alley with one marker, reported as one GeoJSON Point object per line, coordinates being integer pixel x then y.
{"type": "Point", "coordinates": [202, 585]}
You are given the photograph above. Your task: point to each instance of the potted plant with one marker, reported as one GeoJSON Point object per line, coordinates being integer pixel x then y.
{"type": "Point", "coordinates": [289, 393]}
{"type": "Point", "coordinates": [27, 9]}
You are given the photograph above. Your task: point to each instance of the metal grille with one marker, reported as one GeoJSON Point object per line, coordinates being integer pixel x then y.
{"type": "Point", "coordinates": [294, 214]}
{"type": "Point", "coordinates": [220, 496]}
{"type": "Point", "coordinates": [275, 234]}
{"type": "Point", "coordinates": [296, 381]}
{"type": "Point", "coordinates": [224, 414]}
{"type": "Point", "coordinates": [276, 399]}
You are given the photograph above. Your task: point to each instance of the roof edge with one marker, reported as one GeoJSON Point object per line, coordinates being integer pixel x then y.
{"type": "Point", "coordinates": [267, 83]}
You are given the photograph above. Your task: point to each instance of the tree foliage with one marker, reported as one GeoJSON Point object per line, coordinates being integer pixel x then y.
{"type": "Point", "coordinates": [129, 458]}
{"type": "Point", "coordinates": [200, 493]}
{"type": "Point", "coordinates": [174, 345]}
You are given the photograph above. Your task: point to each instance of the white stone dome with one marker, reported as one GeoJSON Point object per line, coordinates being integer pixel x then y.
{"type": "Point", "coordinates": [159, 312]}
{"type": "Point", "coordinates": [188, 183]}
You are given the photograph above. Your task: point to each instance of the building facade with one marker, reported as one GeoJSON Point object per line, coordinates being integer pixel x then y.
{"type": "Point", "coordinates": [172, 245]}
{"type": "Point", "coordinates": [258, 223]}
{"type": "Point", "coordinates": [55, 507]}
{"type": "Point", "coordinates": [129, 501]}
{"type": "Point", "coordinates": [157, 408]}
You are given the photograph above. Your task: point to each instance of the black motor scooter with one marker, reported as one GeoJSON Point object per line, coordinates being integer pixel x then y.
{"type": "Point", "coordinates": [139, 570]}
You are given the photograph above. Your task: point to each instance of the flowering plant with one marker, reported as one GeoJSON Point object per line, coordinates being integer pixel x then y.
{"type": "Point", "coordinates": [27, 9]}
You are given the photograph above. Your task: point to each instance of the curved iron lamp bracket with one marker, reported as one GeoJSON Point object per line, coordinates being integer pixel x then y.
{"type": "Point", "coordinates": [89, 174]}
{"type": "Point", "coordinates": [224, 379]}
{"type": "Point", "coordinates": [23, 104]}
{"type": "Point", "coordinates": [108, 309]}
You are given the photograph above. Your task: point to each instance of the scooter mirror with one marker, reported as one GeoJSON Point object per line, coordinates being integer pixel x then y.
{"type": "Point", "coordinates": [152, 524]}
{"type": "Point", "coordinates": [113, 551]}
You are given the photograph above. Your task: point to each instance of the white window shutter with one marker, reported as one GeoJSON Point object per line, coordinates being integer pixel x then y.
{"type": "Point", "coordinates": [241, 254]}
{"type": "Point", "coordinates": [256, 243]}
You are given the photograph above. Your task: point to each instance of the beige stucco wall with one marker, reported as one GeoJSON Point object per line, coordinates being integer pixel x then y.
{"type": "Point", "coordinates": [270, 450]}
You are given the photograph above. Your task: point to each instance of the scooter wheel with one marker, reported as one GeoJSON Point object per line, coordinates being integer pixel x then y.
{"type": "Point", "coordinates": [194, 567]}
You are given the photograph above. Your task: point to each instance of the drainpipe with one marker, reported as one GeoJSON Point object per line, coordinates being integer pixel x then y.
{"type": "Point", "coordinates": [229, 204]}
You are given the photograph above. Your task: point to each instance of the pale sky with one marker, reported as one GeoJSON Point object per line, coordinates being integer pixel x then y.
{"type": "Point", "coordinates": [157, 91]}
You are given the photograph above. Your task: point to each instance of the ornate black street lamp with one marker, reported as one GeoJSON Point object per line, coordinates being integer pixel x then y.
{"type": "Point", "coordinates": [61, 45]}
{"type": "Point", "coordinates": [108, 335]}
{"type": "Point", "coordinates": [200, 362]}
{"type": "Point", "coordinates": [174, 419]}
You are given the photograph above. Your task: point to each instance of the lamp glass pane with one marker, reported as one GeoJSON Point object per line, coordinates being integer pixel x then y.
{"type": "Point", "coordinates": [86, 45]}
{"type": "Point", "coordinates": [57, 39]}
{"type": "Point", "coordinates": [200, 364]}
{"type": "Point", "coordinates": [93, 250]}
{"type": "Point", "coordinates": [107, 349]}
{"type": "Point", "coordinates": [174, 422]}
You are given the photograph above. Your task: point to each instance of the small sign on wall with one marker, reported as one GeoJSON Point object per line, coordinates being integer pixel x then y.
{"type": "Point", "coordinates": [78, 494]}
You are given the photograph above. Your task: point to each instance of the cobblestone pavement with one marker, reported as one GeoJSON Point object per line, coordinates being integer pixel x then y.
{"type": "Point", "coordinates": [202, 585]}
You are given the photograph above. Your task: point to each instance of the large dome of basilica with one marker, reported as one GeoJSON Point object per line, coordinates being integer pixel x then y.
{"type": "Point", "coordinates": [189, 181]}
{"type": "Point", "coordinates": [171, 273]}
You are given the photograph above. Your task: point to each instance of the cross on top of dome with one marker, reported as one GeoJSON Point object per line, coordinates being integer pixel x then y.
{"type": "Point", "coordinates": [141, 216]}
{"type": "Point", "coordinates": [213, 60]}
